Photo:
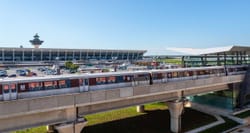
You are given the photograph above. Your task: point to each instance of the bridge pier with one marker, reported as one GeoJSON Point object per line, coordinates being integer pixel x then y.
{"type": "Point", "coordinates": [50, 128]}
{"type": "Point", "coordinates": [72, 127]}
{"type": "Point", "coordinates": [140, 108]}
{"type": "Point", "coordinates": [175, 108]}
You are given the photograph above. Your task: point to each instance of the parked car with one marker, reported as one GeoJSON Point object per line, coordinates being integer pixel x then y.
{"type": "Point", "coordinates": [21, 72]}
{"type": "Point", "coordinates": [34, 74]}
{"type": "Point", "coordinates": [3, 73]}
{"type": "Point", "coordinates": [12, 75]}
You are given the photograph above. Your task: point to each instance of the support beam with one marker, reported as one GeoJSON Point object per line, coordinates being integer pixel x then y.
{"type": "Point", "coordinates": [175, 109]}
{"type": "Point", "coordinates": [72, 127]}
{"type": "Point", "coordinates": [140, 109]}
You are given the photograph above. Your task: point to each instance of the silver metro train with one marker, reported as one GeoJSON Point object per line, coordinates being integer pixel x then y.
{"type": "Point", "coordinates": [29, 87]}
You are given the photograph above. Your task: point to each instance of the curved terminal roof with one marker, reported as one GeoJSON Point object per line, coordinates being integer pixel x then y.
{"type": "Point", "coordinates": [229, 50]}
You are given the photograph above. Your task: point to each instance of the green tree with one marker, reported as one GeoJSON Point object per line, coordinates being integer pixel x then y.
{"type": "Point", "coordinates": [68, 64]}
{"type": "Point", "coordinates": [72, 67]}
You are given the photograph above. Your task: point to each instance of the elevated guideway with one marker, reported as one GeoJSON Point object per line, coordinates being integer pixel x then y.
{"type": "Point", "coordinates": [51, 110]}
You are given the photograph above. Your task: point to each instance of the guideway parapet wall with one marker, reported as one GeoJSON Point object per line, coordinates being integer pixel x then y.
{"type": "Point", "coordinates": [57, 109]}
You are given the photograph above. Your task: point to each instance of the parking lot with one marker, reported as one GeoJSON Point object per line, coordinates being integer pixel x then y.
{"type": "Point", "coordinates": [24, 71]}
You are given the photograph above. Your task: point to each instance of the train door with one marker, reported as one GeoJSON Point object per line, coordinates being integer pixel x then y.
{"type": "Point", "coordinates": [84, 85]}
{"type": "Point", "coordinates": [13, 91]}
{"type": "Point", "coordinates": [9, 92]}
{"type": "Point", "coordinates": [6, 92]}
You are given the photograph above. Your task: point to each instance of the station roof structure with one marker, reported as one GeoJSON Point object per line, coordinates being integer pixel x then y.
{"type": "Point", "coordinates": [229, 50]}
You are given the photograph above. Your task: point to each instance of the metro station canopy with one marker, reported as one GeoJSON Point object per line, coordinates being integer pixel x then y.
{"type": "Point", "coordinates": [230, 50]}
{"type": "Point", "coordinates": [230, 55]}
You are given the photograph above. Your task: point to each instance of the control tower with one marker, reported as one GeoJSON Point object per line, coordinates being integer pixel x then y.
{"type": "Point", "coordinates": [36, 42]}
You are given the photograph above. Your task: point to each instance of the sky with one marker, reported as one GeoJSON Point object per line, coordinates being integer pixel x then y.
{"type": "Point", "coordinates": [153, 25]}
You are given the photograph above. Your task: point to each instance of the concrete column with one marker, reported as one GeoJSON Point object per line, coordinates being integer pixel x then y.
{"type": "Point", "coordinates": [237, 57]}
{"type": "Point", "coordinates": [65, 55]}
{"type": "Point", "coordinates": [80, 58]}
{"type": "Point", "coordinates": [175, 109]}
{"type": "Point", "coordinates": [41, 55]}
{"type": "Point", "coordinates": [72, 127]}
{"type": "Point", "coordinates": [50, 55]}
{"type": "Point", "coordinates": [137, 55]}
{"type": "Point", "coordinates": [140, 109]}
{"type": "Point", "coordinates": [218, 59]}
{"type": "Point", "coordinates": [112, 54]}
{"type": "Point", "coordinates": [225, 59]}
{"type": "Point", "coordinates": [71, 114]}
{"type": "Point", "coordinates": [50, 128]}
{"type": "Point", "coordinates": [106, 56]}
{"type": "Point", "coordinates": [32, 55]}
{"type": "Point", "coordinates": [87, 55]}
{"type": "Point", "coordinates": [65, 128]}
{"type": "Point", "coordinates": [100, 55]}
{"type": "Point", "coordinates": [128, 56]}
{"type": "Point", "coordinates": [23, 55]}
{"type": "Point", "coordinates": [2, 54]}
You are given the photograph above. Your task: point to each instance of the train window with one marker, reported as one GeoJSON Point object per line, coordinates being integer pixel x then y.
{"type": "Point", "coordinates": [213, 71]}
{"type": "Point", "coordinates": [127, 78]}
{"type": "Point", "coordinates": [74, 83]}
{"type": "Point", "coordinates": [241, 69]}
{"type": "Point", "coordinates": [221, 70]}
{"type": "Point", "coordinates": [49, 85]}
{"type": "Point", "coordinates": [191, 73]}
{"type": "Point", "coordinates": [86, 81]}
{"type": "Point", "coordinates": [186, 74]}
{"type": "Point", "coordinates": [169, 75]}
{"type": "Point", "coordinates": [101, 80]}
{"type": "Point", "coordinates": [62, 84]}
{"type": "Point", "coordinates": [119, 79]}
{"type": "Point", "coordinates": [111, 79]}
{"type": "Point", "coordinates": [157, 76]}
{"type": "Point", "coordinates": [6, 88]}
{"type": "Point", "coordinates": [80, 82]}
{"type": "Point", "coordinates": [35, 86]}
{"type": "Point", "coordinates": [92, 81]}
{"type": "Point", "coordinates": [55, 84]}
{"type": "Point", "coordinates": [174, 74]}
{"type": "Point", "coordinates": [23, 87]}
{"type": "Point", "coordinates": [13, 87]}
{"type": "Point", "coordinates": [180, 74]}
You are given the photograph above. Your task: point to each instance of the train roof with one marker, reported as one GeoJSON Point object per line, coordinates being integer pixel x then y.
{"type": "Point", "coordinates": [69, 76]}
{"type": "Point", "coordinates": [94, 75]}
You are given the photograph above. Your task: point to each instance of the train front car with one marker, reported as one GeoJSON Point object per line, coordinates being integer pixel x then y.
{"type": "Point", "coordinates": [236, 69]}
{"type": "Point", "coordinates": [30, 87]}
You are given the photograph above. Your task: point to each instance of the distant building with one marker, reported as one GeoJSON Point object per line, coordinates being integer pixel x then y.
{"type": "Point", "coordinates": [36, 54]}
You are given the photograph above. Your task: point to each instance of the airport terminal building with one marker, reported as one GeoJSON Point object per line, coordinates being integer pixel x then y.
{"type": "Point", "coordinates": [50, 54]}
{"type": "Point", "coordinates": [19, 55]}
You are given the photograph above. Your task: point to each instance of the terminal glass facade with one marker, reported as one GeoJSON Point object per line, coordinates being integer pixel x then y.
{"type": "Point", "coordinates": [41, 54]}
{"type": "Point", "coordinates": [226, 99]}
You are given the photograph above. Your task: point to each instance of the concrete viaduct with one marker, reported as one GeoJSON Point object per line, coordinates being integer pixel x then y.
{"type": "Point", "coordinates": [64, 112]}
